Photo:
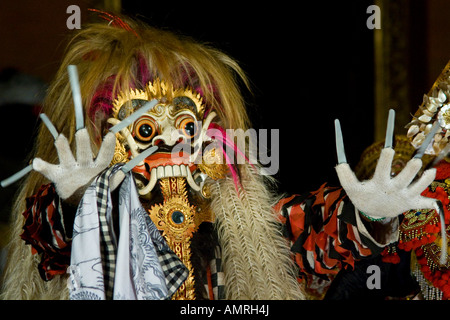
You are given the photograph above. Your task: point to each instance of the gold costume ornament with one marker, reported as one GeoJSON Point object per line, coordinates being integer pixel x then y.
{"type": "Point", "coordinates": [212, 165]}
{"type": "Point", "coordinates": [403, 152]}
{"type": "Point", "coordinates": [120, 154]}
{"type": "Point", "coordinates": [175, 218]}
{"type": "Point", "coordinates": [182, 98]}
{"type": "Point", "coordinates": [435, 108]}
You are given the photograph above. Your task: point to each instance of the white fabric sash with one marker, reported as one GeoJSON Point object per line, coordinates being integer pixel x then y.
{"type": "Point", "coordinates": [138, 272]}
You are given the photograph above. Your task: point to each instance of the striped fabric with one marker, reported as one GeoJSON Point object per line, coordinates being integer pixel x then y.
{"type": "Point", "coordinates": [108, 244]}
{"type": "Point", "coordinates": [322, 228]}
{"type": "Point", "coordinates": [215, 282]}
{"type": "Point", "coordinates": [45, 231]}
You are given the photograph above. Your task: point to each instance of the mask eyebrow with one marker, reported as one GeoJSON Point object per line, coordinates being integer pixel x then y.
{"type": "Point", "coordinates": [184, 103]}
{"type": "Point", "coordinates": [176, 109]}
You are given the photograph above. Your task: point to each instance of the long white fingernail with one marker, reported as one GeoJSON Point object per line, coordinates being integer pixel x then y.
{"type": "Point", "coordinates": [16, 176]}
{"type": "Point", "coordinates": [427, 140]}
{"type": "Point", "coordinates": [49, 125]}
{"type": "Point", "coordinates": [339, 143]}
{"type": "Point", "coordinates": [76, 95]}
{"type": "Point", "coordinates": [388, 142]}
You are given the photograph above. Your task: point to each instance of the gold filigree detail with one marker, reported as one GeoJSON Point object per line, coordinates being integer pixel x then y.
{"type": "Point", "coordinates": [432, 252]}
{"type": "Point", "coordinates": [212, 165]}
{"type": "Point", "coordinates": [157, 89]}
{"type": "Point", "coordinates": [120, 154]}
{"type": "Point", "coordinates": [203, 214]}
{"type": "Point", "coordinates": [175, 218]}
{"type": "Point", "coordinates": [446, 117]}
{"type": "Point", "coordinates": [418, 218]}
{"type": "Point", "coordinates": [194, 96]}
{"type": "Point", "coordinates": [206, 191]}
{"type": "Point", "coordinates": [126, 97]}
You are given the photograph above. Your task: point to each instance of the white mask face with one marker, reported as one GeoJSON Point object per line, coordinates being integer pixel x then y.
{"type": "Point", "coordinates": [175, 125]}
{"type": "Point", "coordinates": [165, 126]}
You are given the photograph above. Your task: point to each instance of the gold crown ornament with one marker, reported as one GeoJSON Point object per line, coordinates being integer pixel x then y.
{"type": "Point", "coordinates": [184, 98]}
{"type": "Point", "coordinates": [434, 108]}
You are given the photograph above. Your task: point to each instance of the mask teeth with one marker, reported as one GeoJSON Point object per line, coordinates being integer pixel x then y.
{"type": "Point", "coordinates": [191, 181]}
{"type": "Point", "coordinates": [167, 172]}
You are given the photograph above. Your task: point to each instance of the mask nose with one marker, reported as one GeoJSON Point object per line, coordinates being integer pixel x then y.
{"type": "Point", "coordinates": [170, 136]}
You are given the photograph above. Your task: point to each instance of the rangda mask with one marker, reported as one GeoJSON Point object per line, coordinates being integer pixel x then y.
{"type": "Point", "coordinates": [175, 125]}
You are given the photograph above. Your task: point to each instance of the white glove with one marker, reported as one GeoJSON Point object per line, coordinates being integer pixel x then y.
{"type": "Point", "coordinates": [72, 174]}
{"type": "Point", "coordinates": [387, 197]}
{"type": "Point", "coordinates": [384, 196]}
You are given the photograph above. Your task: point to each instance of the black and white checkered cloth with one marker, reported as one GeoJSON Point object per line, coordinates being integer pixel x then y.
{"type": "Point", "coordinates": [108, 245]}
{"type": "Point", "coordinates": [174, 270]}
{"type": "Point", "coordinates": [217, 275]}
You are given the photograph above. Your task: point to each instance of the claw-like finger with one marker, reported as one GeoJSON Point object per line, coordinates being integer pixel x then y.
{"type": "Point", "coordinates": [135, 161]}
{"type": "Point", "coordinates": [76, 95]}
{"type": "Point", "coordinates": [83, 145]}
{"type": "Point", "coordinates": [427, 140]}
{"type": "Point", "coordinates": [347, 177]}
{"type": "Point", "coordinates": [134, 116]}
{"type": "Point", "coordinates": [388, 142]}
{"type": "Point", "coordinates": [47, 169]}
{"type": "Point", "coordinates": [384, 165]}
{"type": "Point", "coordinates": [127, 135]}
{"type": "Point", "coordinates": [64, 152]}
{"type": "Point", "coordinates": [440, 209]}
{"type": "Point", "coordinates": [409, 172]}
{"type": "Point", "coordinates": [18, 175]}
{"type": "Point", "coordinates": [425, 203]}
{"type": "Point", "coordinates": [116, 179]}
{"type": "Point", "coordinates": [339, 143]}
{"type": "Point", "coordinates": [49, 125]}
{"type": "Point", "coordinates": [444, 152]}
{"type": "Point", "coordinates": [425, 180]}
{"type": "Point", "coordinates": [106, 152]}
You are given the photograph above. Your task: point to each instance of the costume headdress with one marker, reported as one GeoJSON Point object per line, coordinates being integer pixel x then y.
{"type": "Point", "coordinates": [404, 151]}
{"type": "Point", "coordinates": [435, 109]}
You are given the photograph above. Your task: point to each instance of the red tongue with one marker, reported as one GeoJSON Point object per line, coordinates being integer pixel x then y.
{"type": "Point", "coordinates": [163, 159]}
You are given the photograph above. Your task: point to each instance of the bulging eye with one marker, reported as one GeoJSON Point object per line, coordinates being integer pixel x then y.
{"type": "Point", "coordinates": [145, 129]}
{"type": "Point", "coordinates": [187, 125]}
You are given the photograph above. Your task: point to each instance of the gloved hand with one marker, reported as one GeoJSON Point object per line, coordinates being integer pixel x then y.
{"type": "Point", "coordinates": [387, 197]}
{"type": "Point", "coordinates": [73, 174]}
{"type": "Point", "coordinates": [384, 196]}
